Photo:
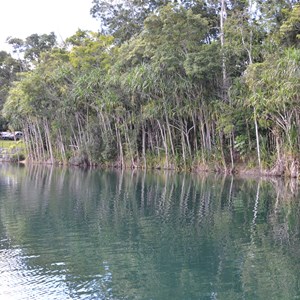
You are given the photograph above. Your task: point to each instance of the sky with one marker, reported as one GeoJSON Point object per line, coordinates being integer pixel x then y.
{"type": "Point", "coordinates": [21, 18]}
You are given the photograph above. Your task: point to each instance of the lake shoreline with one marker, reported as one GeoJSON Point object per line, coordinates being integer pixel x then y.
{"type": "Point", "coordinates": [239, 169]}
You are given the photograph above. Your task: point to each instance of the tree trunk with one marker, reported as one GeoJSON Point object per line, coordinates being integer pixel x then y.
{"type": "Point", "coordinates": [257, 140]}
{"type": "Point", "coordinates": [164, 140]}
{"type": "Point", "coordinates": [41, 141]}
{"type": "Point", "coordinates": [48, 138]}
{"type": "Point", "coordinates": [119, 142]}
{"type": "Point", "coordinates": [169, 132]}
{"type": "Point", "coordinates": [222, 38]}
{"type": "Point", "coordinates": [144, 146]}
{"type": "Point", "coordinates": [231, 153]}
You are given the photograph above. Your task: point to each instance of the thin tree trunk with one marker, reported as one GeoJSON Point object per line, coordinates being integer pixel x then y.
{"type": "Point", "coordinates": [80, 132]}
{"type": "Point", "coordinates": [222, 38]}
{"type": "Point", "coordinates": [257, 140]}
{"type": "Point", "coordinates": [36, 144]}
{"type": "Point", "coordinates": [28, 142]}
{"type": "Point", "coordinates": [62, 147]}
{"type": "Point", "coordinates": [119, 142]}
{"type": "Point", "coordinates": [222, 151]}
{"type": "Point", "coordinates": [169, 132]}
{"type": "Point", "coordinates": [183, 144]}
{"type": "Point", "coordinates": [187, 138]}
{"type": "Point", "coordinates": [129, 145]}
{"type": "Point", "coordinates": [48, 138]}
{"type": "Point", "coordinates": [195, 135]}
{"type": "Point", "coordinates": [164, 140]}
{"type": "Point", "coordinates": [231, 152]}
{"type": "Point", "coordinates": [41, 141]}
{"type": "Point", "coordinates": [144, 146]}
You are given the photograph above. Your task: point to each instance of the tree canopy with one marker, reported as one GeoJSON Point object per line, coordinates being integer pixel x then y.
{"type": "Point", "coordinates": [165, 85]}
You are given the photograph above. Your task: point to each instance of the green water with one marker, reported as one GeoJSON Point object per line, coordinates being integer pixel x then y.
{"type": "Point", "coordinates": [91, 234]}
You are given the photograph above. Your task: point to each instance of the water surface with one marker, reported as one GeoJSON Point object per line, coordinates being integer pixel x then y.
{"type": "Point", "coordinates": [92, 234]}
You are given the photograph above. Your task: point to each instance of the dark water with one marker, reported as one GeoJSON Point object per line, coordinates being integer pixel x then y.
{"type": "Point", "coordinates": [78, 234]}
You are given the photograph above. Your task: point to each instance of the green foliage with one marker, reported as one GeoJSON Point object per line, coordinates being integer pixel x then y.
{"type": "Point", "coordinates": [12, 144]}
{"type": "Point", "coordinates": [290, 29]}
{"type": "Point", "coordinates": [34, 45]}
{"type": "Point", "coordinates": [9, 67]}
{"type": "Point", "coordinates": [160, 87]}
{"type": "Point", "coordinates": [241, 144]}
{"type": "Point", "coordinates": [90, 50]}
{"type": "Point", "coordinates": [205, 63]}
{"type": "Point", "coordinates": [125, 19]}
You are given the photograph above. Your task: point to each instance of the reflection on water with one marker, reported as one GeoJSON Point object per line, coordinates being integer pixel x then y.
{"type": "Point", "coordinates": [91, 234]}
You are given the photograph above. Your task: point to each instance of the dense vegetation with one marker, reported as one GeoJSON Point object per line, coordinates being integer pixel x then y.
{"type": "Point", "coordinates": [193, 85]}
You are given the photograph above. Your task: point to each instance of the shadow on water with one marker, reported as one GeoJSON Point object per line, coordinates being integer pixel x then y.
{"type": "Point", "coordinates": [159, 235]}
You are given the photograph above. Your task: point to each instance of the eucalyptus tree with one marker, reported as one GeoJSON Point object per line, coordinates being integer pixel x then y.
{"type": "Point", "coordinates": [32, 47]}
{"type": "Point", "coordinates": [123, 19]}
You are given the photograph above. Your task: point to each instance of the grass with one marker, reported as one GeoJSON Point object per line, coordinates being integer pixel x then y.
{"type": "Point", "coordinates": [14, 151]}
{"type": "Point", "coordinates": [12, 144]}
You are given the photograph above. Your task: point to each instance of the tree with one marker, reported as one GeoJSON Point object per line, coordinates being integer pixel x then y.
{"type": "Point", "coordinates": [290, 29]}
{"type": "Point", "coordinates": [9, 68]}
{"type": "Point", "coordinates": [124, 19]}
{"type": "Point", "coordinates": [89, 50]}
{"type": "Point", "coordinates": [33, 46]}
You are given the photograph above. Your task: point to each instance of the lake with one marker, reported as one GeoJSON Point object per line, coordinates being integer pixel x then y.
{"type": "Point", "coordinates": [68, 233]}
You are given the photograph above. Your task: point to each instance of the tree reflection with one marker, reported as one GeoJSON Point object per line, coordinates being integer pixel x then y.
{"type": "Point", "coordinates": [138, 235]}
